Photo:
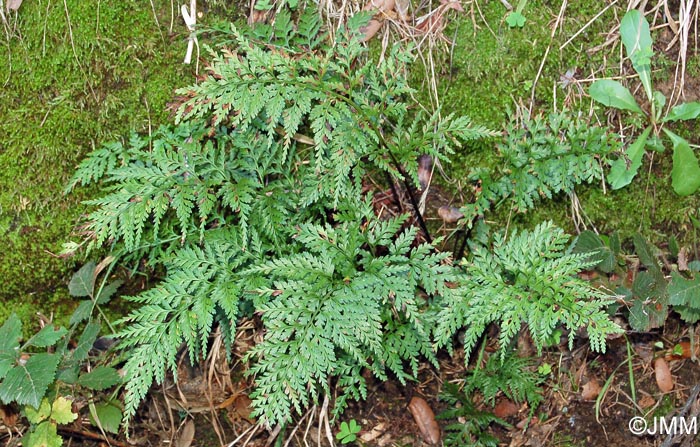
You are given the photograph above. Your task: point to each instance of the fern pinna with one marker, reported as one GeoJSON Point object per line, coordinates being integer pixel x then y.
{"type": "Point", "coordinates": [254, 199]}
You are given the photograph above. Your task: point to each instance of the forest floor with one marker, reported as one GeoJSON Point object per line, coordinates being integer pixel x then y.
{"type": "Point", "coordinates": [80, 74]}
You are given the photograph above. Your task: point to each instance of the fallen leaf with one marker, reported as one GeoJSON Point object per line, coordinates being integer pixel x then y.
{"type": "Point", "coordinates": [425, 170]}
{"type": "Point", "coordinates": [450, 214]}
{"type": "Point", "coordinates": [682, 351]}
{"type": "Point", "coordinates": [187, 435]}
{"type": "Point", "coordinates": [425, 419]}
{"type": "Point", "coordinates": [646, 402]}
{"type": "Point", "coordinates": [590, 390]}
{"type": "Point", "coordinates": [374, 433]}
{"type": "Point", "coordinates": [402, 9]}
{"type": "Point", "coordinates": [506, 408]}
{"type": "Point", "coordinates": [664, 379]}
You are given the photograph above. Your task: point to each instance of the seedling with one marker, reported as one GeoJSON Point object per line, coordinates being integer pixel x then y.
{"type": "Point", "coordinates": [348, 432]}
{"type": "Point", "coordinates": [685, 175]}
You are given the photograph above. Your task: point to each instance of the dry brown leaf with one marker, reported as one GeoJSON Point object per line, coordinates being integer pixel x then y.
{"type": "Point", "coordinates": [590, 390]}
{"type": "Point", "coordinates": [374, 433]}
{"type": "Point", "coordinates": [683, 260]}
{"type": "Point", "coordinates": [682, 351]}
{"type": "Point", "coordinates": [425, 419]}
{"type": "Point", "coordinates": [664, 379]}
{"type": "Point", "coordinates": [425, 170]}
{"type": "Point", "coordinates": [402, 9]}
{"type": "Point", "coordinates": [506, 408]}
{"type": "Point", "coordinates": [450, 214]}
{"type": "Point", "coordinates": [646, 402]}
{"type": "Point", "coordinates": [187, 435]}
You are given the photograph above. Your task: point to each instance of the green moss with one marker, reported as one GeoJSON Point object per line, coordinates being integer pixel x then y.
{"type": "Point", "coordinates": [492, 72]}
{"type": "Point", "coordinates": [68, 89]}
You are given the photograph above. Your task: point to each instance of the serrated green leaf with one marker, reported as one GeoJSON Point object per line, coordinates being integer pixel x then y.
{"type": "Point", "coordinates": [100, 378]}
{"type": "Point", "coordinates": [646, 252]}
{"type": "Point", "coordinates": [47, 336]}
{"type": "Point", "coordinates": [62, 411]}
{"type": "Point", "coordinates": [685, 175]}
{"type": "Point", "coordinates": [683, 112]}
{"type": "Point", "coordinates": [83, 281]}
{"type": "Point", "coordinates": [10, 336]}
{"type": "Point", "coordinates": [589, 242]}
{"type": "Point", "coordinates": [108, 291]}
{"type": "Point", "coordinates": [82, 312]}
{"type": "Point", "coordinates": [684, 292]}
{"type": "Point", "coordinates": [43, 435]}
{"type": "Point", "coordinates": [26, 383]}
{"type": "Point", "coordinates": [37, 415]}
{"type": "Point", "coordinates": [613, 94]}
{"type": "Point", "coordinates": [86, 340]}
{"type": "Point", "coordinates": [624, 169]}
{"type": "Point", "coordinates": [108, 416]}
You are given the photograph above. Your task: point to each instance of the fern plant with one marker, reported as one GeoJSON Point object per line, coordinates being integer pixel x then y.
{"type": "Point", "coordinates": [254, 199]}
{"type": "Point", "coordinates": [528, 279]}
{"type": "Point", "coordinates": [540, 157]}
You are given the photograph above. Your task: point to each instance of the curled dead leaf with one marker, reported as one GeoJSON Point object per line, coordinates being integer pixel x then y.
{"type": "Point", "coordinates": [425, 419]}
{"type": "Point", "coordinates": [425, 170]}
{"type": "Point", "coordinates": [590, 390]}
{"type": "Point", "coordinates": [505, 408]}
{"type": "Point", "coordinates": [664, 379]}
{"type": "Point", "coordinates": [187, 435]}
{"type": "Point", "coordinates": [450, 214]}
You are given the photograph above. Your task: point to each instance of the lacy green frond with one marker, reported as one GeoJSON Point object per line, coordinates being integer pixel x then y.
{"type": "Point", "coordinates": [528, 279]}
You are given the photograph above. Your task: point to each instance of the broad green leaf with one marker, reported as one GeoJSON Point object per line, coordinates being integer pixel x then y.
{"type": "Point", "coordinates": [684, 112]}
{"type": "Point", "coordinates": [62, 411]}
{"type": "Point", "coordinates": [684, 292]}
{"type": "Point", "coordinates": [87, 338]}
{"type": "Point", "coordinates": [108, 416]}
{"type": "Point", "coordinates": [10, 336]}
{"type": "Point", "coordinates": [47, 336]}
{"type": "Point", "coordinates": [100, 378]}
{"type": "Point", "coordinates": [26, 383]}
{"type": "Point", "coordinates": [613, 94]}
{"type": "Point", "coordinates": [624, 169]}
{"type": "Point", "coordinates": [83, 281]}
{"type": "Point", "coordinates": [37, 415]}
{"type": "Point", "coordinates": [685, 175]}
{"type": "Point", "coordinates": [635, 35]}
{"type": "Point", "coordinates": [107, 291]}
{"type": "Point", "coordinates": [650, 307]}
{"type": "Point", "coordinates": [44, 435]}
{"type": "Point", "coordinates": [589, 242]}
{"type": "Point", "coordinates": [82, 312]}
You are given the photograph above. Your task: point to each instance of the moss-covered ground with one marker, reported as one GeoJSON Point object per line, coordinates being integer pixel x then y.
{"type": "Point", "coordinates": [491, 72]}
{"type": "Point", "coordinates": [74, 75]}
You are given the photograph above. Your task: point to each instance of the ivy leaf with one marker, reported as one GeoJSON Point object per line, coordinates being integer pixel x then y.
{"type": "Point", "coordinates": [613, 94]}
{"type": "Point", "coordinates": [62, 411]}
{"type": "Point", "coordinates": [624, 169]}
{"type": "Point", "coordinates": [83, 281]}
{"type": "Point", "coordinates": [44, 435]}
{"type": "Point", "coordinates": [26, 383]}
{"type": "Point", "coordinates": [47, 336]}
{"type": "Point", "coordinates": [10, 336]}
{"type": "Point", "coordinates": [108, 416]}
{"type": "Point", "coordinates": [683, 112]}
{"type": "Point", "coordinates": [100, 378]}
